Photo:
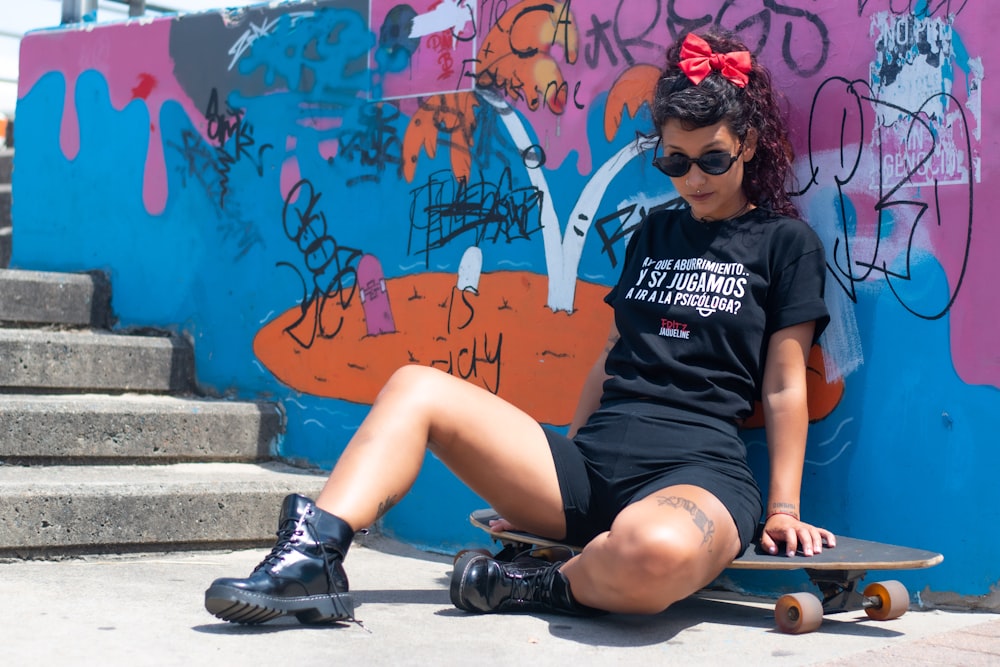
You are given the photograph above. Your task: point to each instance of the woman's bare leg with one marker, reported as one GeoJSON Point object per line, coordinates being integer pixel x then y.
{"type": "Point", "coordinates": [659, 550]}
{"type": "Point", "coordinates": [499, 451]}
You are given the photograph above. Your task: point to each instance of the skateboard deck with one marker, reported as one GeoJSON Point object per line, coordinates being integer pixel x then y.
{"type": "Point", "coordinates": [836, 572]}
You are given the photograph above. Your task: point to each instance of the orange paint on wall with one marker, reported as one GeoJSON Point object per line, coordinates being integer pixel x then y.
{"type": "Point", "coordinates": [504, 339]}
{"type": "Point", "coordinates": [823, 395]}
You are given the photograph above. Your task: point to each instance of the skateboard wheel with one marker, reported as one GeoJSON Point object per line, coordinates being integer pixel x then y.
{"type": "Point", "coordinates": [888, 600]}
{"type": "Point", "coordinates": [797, 613]}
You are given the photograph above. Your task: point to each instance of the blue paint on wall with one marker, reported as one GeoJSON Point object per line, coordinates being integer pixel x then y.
{"type": "Point", "coordinates": [906, 457]}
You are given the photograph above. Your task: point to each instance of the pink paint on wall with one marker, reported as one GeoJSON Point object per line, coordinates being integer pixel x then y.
{"type": "Point", "coordinates": [134, 58]}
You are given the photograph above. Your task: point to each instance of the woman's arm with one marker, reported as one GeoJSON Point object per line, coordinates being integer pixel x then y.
{"type": "Point", "coordinates": [593, 386]}
{"type": "Point", "coordinates": [786, 423]}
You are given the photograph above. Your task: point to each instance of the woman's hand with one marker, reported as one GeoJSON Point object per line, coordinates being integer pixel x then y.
{"type": "Point", "coordinates": [797, 536]}
{"type": "Point", "coordinates": [500, 525]}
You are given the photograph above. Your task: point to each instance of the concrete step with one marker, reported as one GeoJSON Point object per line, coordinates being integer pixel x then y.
{"type": "Point", "coordinates": [6, 247]}
{"type": "Point", "coordinates": [6, 205]}
{"type": "Point", "coordinates": [51, 511]}
{"type": "Point", "coordinates": [93, 361]}
{"type": "Point", "coordinates": [42, 297]}
{"type": "Point", "coordinates": [6, 165]}
{"type": "Point", "coordinates": [134, 428]}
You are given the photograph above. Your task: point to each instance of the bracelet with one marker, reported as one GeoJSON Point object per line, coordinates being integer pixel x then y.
{"type": "Point", "coordinates": [791, 514]}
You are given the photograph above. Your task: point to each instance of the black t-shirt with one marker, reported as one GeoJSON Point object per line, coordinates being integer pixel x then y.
{"type": "Point", "coordinates": [696, 304]}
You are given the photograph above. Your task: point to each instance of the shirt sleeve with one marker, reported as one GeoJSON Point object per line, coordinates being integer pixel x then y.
{"type": "Point", "coordinates": [798, 287]}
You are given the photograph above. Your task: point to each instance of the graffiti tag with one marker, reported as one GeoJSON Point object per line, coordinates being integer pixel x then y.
{"type": "Point", "coordinates": [331, 268]}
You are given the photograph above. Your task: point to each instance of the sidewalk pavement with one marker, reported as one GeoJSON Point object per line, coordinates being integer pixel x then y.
{"type": "Point", "coordinates": [147, 610]}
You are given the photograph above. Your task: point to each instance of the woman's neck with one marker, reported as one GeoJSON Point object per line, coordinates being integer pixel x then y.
{"type": "Point", "coordinates": [747, 206]}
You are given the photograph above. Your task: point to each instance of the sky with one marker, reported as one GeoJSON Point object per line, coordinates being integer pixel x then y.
{"type": "Point", "coordinates": [20, 16]}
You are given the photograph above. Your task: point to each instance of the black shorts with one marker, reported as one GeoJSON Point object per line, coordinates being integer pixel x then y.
{"type": "Point", "coordinates": [628, 451]}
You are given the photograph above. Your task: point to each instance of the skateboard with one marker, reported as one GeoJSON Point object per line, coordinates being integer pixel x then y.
{"type": "Point", "coordinates": [836, 572]}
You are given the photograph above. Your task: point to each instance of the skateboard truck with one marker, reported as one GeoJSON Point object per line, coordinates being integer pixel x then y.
{"type": "Point", "coordinates": [803, 612]}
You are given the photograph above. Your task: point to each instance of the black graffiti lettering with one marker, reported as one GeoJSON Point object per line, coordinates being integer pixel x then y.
{"type": "Point", "coordinates": [853, 262]}
{"type": "Point", "coordinates": [444, 210]}
{"type": "Point", "coordinates": [486, 71]}
{"type": "Point", "coordinates": [466, 361]}
{"type": "Point", "coordinates": [466, 309]}
{"type": "Point", "coordinates": [815, 33]}
{"type": "Point", "coordinates": [226, 126]}
{"type": "Point", "coordinates": [631, 32]}
{"type": "Point", "coordinates": [332, 275]}
{"type": "Point", "coordinates": [375, 143]}
{"type": "Point", "coordinates": [599, 43]}
{"type": "Point", "coordinates": [470, 363]}
{"type": "Point", "coordinates": [918, 8]}
{"type": "Point", "coordinates": [497, 8]}
{"type": "Point", "coordinates": [642, 39]}
{"type": "Point", "coordinates": [199, 165]}
{"type": "Point", "coordinates": [618, 225]}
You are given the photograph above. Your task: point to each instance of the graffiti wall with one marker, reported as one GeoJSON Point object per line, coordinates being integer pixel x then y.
{"type": "Point", "coordinates": [317, 193]}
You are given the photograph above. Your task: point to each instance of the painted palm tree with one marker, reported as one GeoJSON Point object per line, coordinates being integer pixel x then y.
{"type": "Point", "coordinates": [516, 64]}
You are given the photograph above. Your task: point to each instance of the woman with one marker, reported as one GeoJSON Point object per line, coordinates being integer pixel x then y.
{"type": "Point", "coordinates": [717, 305]}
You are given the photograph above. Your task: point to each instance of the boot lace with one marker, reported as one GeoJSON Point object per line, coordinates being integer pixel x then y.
{"type": "Point", "coordinates": [288, 531]}
{"type": "Point", "coordinates": [525, 579]}
{"type": "Point", "coordinates": [330, 557]}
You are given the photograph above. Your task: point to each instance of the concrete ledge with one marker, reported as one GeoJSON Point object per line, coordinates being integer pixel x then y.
{"type": "Point", "coordinates": [6, 247]}
{"type": "Point", "coordinates": [6, 208]}
{"type": "Point", "coordinates": [106, 509]}
{"type": "Point", "coordinates": [37, 297]}
{"type": "Point", "coordinates": [93, 361]}
{"type": "Point", "coordinates": [6, 165]}
{"type": "Point", "coordinates": [94, 428]}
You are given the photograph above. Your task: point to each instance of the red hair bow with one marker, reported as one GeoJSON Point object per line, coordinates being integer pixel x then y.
{"type": "Point", "coordinates": [698, 61]}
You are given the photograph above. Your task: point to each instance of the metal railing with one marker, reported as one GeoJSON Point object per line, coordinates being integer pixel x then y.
{"type": "Point", "coordinates": [75, 11]}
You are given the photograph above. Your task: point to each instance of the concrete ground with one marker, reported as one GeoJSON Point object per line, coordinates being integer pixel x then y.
{"type": "Point", "coordinates": [147, 610]}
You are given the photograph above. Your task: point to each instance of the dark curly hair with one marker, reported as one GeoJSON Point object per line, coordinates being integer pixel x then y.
{"type": "Point", "coordinates": [716, 99]}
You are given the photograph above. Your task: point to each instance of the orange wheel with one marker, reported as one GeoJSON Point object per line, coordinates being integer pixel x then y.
{"type": "Point", "coordinates": [893, 600]}
{"type": "Point", "coordinates": [485, 552]}
{"type": "Point", "coordinates": [797, 613]}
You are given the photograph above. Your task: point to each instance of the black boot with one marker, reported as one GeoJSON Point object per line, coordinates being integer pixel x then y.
{"type": "Point", "coordinates": [302, 576]}
{"type": "Point", "coordinates": [482, 584]}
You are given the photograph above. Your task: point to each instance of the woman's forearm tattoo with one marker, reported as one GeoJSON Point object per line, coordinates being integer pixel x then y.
{"type": "Point", "coordinates": [701, 520]}
{"type": "Point", "coordinates": [385, 506]}
{"type": "Point", "coordinates": [783, 508]}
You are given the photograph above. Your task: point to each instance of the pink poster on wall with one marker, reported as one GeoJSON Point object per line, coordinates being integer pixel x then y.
{"type": "Point", "coordinates": [424, 47]}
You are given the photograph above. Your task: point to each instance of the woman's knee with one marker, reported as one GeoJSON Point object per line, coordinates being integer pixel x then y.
{"type": "Point", "coordinates": [658, 565]}
{"type": "Point", "coordinates": [655, 553]}
{"type": "Point", "coordinates": [411, 382]}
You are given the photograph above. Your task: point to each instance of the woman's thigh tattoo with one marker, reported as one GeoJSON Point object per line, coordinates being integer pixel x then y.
{"type": "Point", "coordinates": [701, 520]}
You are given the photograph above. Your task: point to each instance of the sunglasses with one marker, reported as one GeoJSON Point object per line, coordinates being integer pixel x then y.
{"type": "Point", "coordinates": [713, 163]}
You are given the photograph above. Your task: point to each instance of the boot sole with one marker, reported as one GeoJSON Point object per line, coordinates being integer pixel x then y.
{"type": "Point", "coordinates": [236, 605]}
{"type": "Point", "coordinates": [458, 579]}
